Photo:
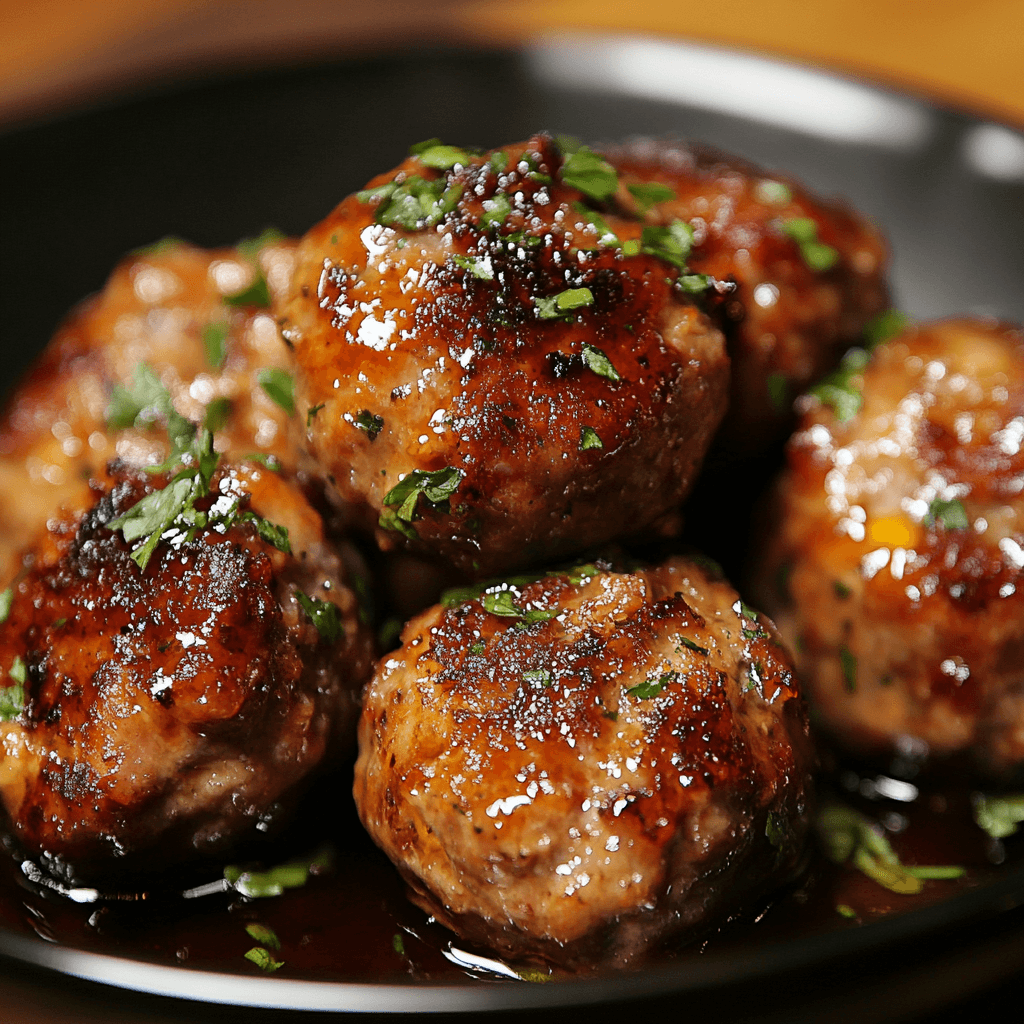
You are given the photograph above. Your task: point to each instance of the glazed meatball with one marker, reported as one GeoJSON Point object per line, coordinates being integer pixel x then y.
{"type": "Point", "coordinates": [576, 768]}
{"type": "Point", "coordinates": [491, 370]}
{"type": "Point", "coordinates": [154, 716]}
{"type": "Point", "coordinates": [191, 316]}
{"type": "Point", "coordinates": [809, 276]}
{"type": "Point", "coordinates": [896, 563]}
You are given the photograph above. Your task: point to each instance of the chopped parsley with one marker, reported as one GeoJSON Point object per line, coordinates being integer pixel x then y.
{"type": "Point", "coordinates": [218, 412]}
{"type": "Point", "coordinates": [215, 336]}
{"type": "Point", "coordinates": [838, 391]}
{"type": "Point", "coordinates": [692, 645]}
{"type": "Point", "coordinates": [324, 615]}
{"type": "Point", "coordinates": [264, 959]}
{"type": "Point", "coordinates": [502, 603]}
{"type": "Point", "coordinates": [538, 675]}
{"type": "Point", "coordinates": [841, 590]}
{"type": "Point", "coordinates": [479, 266]}
{"type": "Point", "coordinates": [279, 387]}
{"type": "Point", "coordinates": [370, 423]}
{"type": "Point", "coordinates": [250, 248]}
{"type": "Point", "coordinates": [650, 193]}
{"type": "Point", "coordinates": [999, 816]}
{"type": "Point", "coordinates": [398, 943]}
{"type": "Point", "coordinates": [950, 514]}
{"type": "Point", "coordinates": [435, 154]}
{"type": "Point", "coordinates": [272, 882]}
{"type": "Point", "coordinates": [775, 830]}
{"type": "Point", "coordinates": [589, 439]}
{"type": "Point", "coordinates": [436, 488]}
{"type": "Point", "coordinates": [605, 235]}
{"type": "Point", "coordinates": [477, 648]}
{"type": "Point", "coordinates": [12, 697]}
{"type": "Point", "coordinates": [312, 412]}
{"type": "Point", "coordinates": [599, 363]}
{"type": "Point", "coordinates": [270, 462]}
{"type": "Point", "coordinates": [5, 603]}
{"type": "Point", "coordinates": [773, 193]}
{"type": "Point", "coordinates": [845, 910]}
{"type": "Point", "coordinates": [498, 161]}
{"type": "Point", "coordinates": [671, 243]}
{"type": "Point", "coordinates": [413, 204]}
{"type": "Point", "coordinates": [263, 934]}
{"type": "Point", "coordinates": [563, 304]}
{"type": "Point", "coordinates": [591, 174]}
{"type": "Point", "coordinates": [884, 327]}
{"type": "Point", "coordinates": [257, 294]}
{"type": "Point", "coordinates": [496, 211]}
{"type": "Point", "coordinates": [651, 688]}
{"type": "Point", "coordinates": [818, 256]}
{"type": "Point", "coordinates": [848, 836]}
{"type": "Point", "coordinates": [848, 664]}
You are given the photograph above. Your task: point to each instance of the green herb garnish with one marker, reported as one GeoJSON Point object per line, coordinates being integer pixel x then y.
{"type": "Point", "coordinates": [599, 363]}
{"type": "Point", "coordinates": [671, 243]}
{"type": "Point", "coordinates": [692, 645]}
{"type": "Point", "coordinates": [215, 338]}
{"type": "Point", "coordinates": [438, 156]}
{"type": "Point", "coordinates": [848, 663]}
{"type": "Point", "coordinates": [312, 412]}
{"type": "Point", "coordinates": [218, 412]}
{"type": "Point", "coordinates": [496, 211]}
{"type": "Point", "coordinates": [264, 959]}
{"type": "Point", "coordinates": [257, 294]}
{"type": "Point", "coordinates": [591, 174]}
{"type": "Point", "coordinates": [950, 514]}
{"type": "Point", "coordinates": [651, 688]}
{"type": "Point", "coordinates": [778, 391]}
{"type": "Point", "coordinates": [479, 266]}
{"type": "Point", "coordinates": [848, 836]}
{"type": "Point", "coordinates": [12, 698]}
{"type": "Point", "coordinates": [884, 327]}
{"type": "Point", "coordinates": [324, 615]}
{"type": "Point", "coordinates": [279, 387]}
{"type": "Point", "coordinates": [838, 391]}
{"type": "Point", "coordinates": [804, 231]}
{"type": "Point", "coordinates": [564, 303]}
{"type": "Point", "coordinates": [274, 881]}
{"type": "Point", "coordinates": [999, 816]}
{"type": "Point", "coordinates": [605, 235]}
{"type": "Point", "coordinates": [263, 934]}
{"type": "Point", "coordinates": [370, 423]}
{"type": "Point", "coordinates": [589, 439]}
{"type": "Point", "coordinates": [773, 193]}
{"type": "Point", "coordinates": [649, 194]}
{"type": "Point", "coordinates": [775, 830]}
{"type": "Point", "coordinates": [5, 603]}
{"type": "Point", "coordinates": [398, 943]}
{"type": "Point", "coordinates": [250, 248]}
{"type": "Point", "coordinates": [538, 675]}
{"type": "Point", "coordinates": [436, 488]}
{"type": "Point", "coordinates": [415, 203]}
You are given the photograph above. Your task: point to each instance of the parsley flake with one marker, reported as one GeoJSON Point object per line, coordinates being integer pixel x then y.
{"type": "Point", "coordinates": [775, 830]}
{"type": "Point", "coordinates": [589, 439]}
{"type": "Point", "coordinates": [370, 423]}
{"type": "Point", "coordinates": [848, 664]}
{"type": "Point", "coordinates": [218, 412]}
{"type": "Point", "coordinates": [436, 155]}
{"type": "Point", "coordinates": [264, 959]}
{"type": "Point", "coordinates": [312, 412]}
{"type": "Point", "coordinates": [257, 294]}
{"type": "Point", "coordinates": [436, 488]}
{"type": "Point", "coordinates": [279, 387]}
{"type": "Point", "coordinates": [215, 336]}
{"type": "Point", "coordinates": [591, 174]}
{"type": "Point", "coordinates": [12, 698]}
{"type": "Point", "coordinates": [650, 193]}
{"type": "Point", "coordinates": [324, 615]}
{"type": "Point", "coordinates": [838, 391]}
{"type": "Point", "coordinates": [671, 243]}
{"type": "Point", "coordinates": [884, 327]}
{"type": "Point", "coordinates": [605, 235]}
{"type": "Point", "coordinates": [415, 203]}
{"type": "Point", "coordinates": [496, 211]}
{"type": "Point", "coordinates": [538, 675]}
{"type": "Point", "coordinates": [564, 303]}
{"type": "Point", "coordinates": [692, 645]}
{"type": "Point", "coordinates": [651, 688]}
{"type": "Point", "coordinates": [950, 514]}
{"type": "Point", "coordinates": [599, 363]}
{"type": "Point", "coordinates": [818, 256]}
{"type": "Point", "coordinates": [5, 603]}
{"type": "Point", "coordinates": [478, 266]}
{"type": "Point", "coordinates": [273, 881]}
{"type": "Point", "coordinates": [263, 934]}
{"type": "Point", "coordinates": [999, 816]}
{"type": "Point", "coordinates": [773, 193]}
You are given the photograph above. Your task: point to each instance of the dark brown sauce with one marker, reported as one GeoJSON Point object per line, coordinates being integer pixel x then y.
{"type": "Point", "coordinates": [354, 924]}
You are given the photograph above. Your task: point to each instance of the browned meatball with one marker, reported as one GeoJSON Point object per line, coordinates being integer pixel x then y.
{"type": "Point", "coordinates": [577, 768]}
{"type": "Point", "coordinates": [154, 716]}
{"type": "Point", "coordinates": [484, 369]}
{"type": "Point", "coordinates": [809, 275]}
{"type": "Point", "coordinates": [898, 541]}
{"type": "Point", "coordinates": [166, 308]}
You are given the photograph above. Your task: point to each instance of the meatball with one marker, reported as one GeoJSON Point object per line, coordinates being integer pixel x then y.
{"type": "Point", "coordinates": [896, 558]}
{"type": "Point", "coordinates": [157, 710]}
{"type": "Point", "coordinates": [491, 370]}
{"type": "Point", "coordinates": [809, 275]}
{"type": "Point", "coordinates": [576, 768]}
{"type": "Point", "coordinates": [192, 317]}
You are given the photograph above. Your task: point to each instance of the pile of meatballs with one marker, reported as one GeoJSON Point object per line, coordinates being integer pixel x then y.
{"type": "Point", "coordinates": [502, 372]}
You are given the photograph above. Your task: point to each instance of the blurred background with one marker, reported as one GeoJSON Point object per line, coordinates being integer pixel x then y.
{"type": "Point", "coordinates": [57, 57]}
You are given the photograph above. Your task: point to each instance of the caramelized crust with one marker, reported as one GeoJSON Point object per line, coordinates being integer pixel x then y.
{"type": "Point", "coordinates": [155, 309]}
{"type": "Point", "coordinates": [428, 350]}
{"type": "Point", "coordinates": [898, 540]}
{"type": "Point", "coordinates": [787, 322]}
{"type": "Point", "coordinates": [577, 768]}
{"type": "Point", "coordinates": [167, 713]}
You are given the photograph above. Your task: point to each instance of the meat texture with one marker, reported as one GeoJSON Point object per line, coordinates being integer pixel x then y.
{"type": "Point", "coordinates": [809, 275]}
{"type": "Point", "coordinates": [896, 564]}
{"type": "Point", "coordinates": [576, 768]}
{"type": "Point", "coordinates": [492, 370]}
{"type": "Point", "coordinates": [150, 717]}
{"type": "Point", "coordinates": [195, 318]}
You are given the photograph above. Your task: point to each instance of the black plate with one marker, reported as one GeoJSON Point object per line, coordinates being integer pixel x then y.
{"type": "Point", "coordinates": [218, 161]}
